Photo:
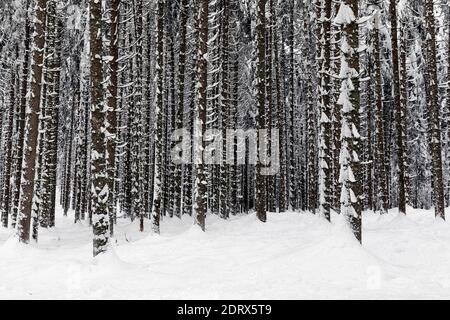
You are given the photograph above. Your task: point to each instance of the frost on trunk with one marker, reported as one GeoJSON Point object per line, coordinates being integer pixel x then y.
{"type": "Point", "coordinates": [135, 140]}
{"type": "Point", "coordinates": [214, 99]}
{"type": "Point", "coordinates": [111, 115]}
{"type": "Point", "coordinates": [270, 105]}
{"type": "Point", "coordinates": [281, 112]}
{"type": "Point", "coordinates": [349, 99]}
{"type": "Point", "coordinates": [69, 172]}
{"type": "Point", "coordinates": [225, 110]}
{"type": "Point", "coordinates": [325, 120]}
{"type": "Point", "coordinates": [184, 14]}
{"type": "Point", "coordinates": [399, 108]}
{"type": "Point", "coordinates": [20, 120]}
{"type": "Point", "coordinates": [200, 123]}
{"type": "Point", "coordinates": [433, 112]}
{"type": "Point", "coordinates": [293, 195]}
{"type": "Point", "coordinates": [260, 192]}
{"type": "Point", "coordinates": [5, 203]}
{"type": "Point", "coordinates": [159, 113]}
{"type": "Point", "coordinates": [50, 118]}
{"type": "Point", "coordinates": [380, 166]}
{"type": "Point", "coordinates": [336, 109]}
{"type": "Point", "coordinates": [448, 104]}
{"type": "Point", "coordinates": [311, 122]}
{"type": "Point", "coordinates": [31, 123]}
{"type": "Point", "coordinates": [99, 182]}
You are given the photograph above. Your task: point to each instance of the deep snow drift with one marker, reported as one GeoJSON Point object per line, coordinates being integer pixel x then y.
{"type": "Point", "coordinates": [293, 256]}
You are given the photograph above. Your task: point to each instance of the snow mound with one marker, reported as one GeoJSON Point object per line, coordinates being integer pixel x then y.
{"type": "Point", "coordinates": [12, 247]}
{"type": "Point", "coordinates": [292, 256]}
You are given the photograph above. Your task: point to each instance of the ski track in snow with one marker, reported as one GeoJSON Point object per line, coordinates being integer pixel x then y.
{"type": "Point", "coordinates": [293, 256]}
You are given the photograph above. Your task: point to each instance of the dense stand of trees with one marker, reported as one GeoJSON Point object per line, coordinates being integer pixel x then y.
{"type": "Point", "coordinates": [95, 93]}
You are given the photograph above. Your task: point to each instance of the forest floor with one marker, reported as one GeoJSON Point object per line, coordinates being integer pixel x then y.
{"type": "Point", "coordinates": [293, 256]}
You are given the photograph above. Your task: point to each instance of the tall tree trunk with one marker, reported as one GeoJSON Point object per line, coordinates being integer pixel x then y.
{"type": "Point", "coordinates": [270, 179]}
{"type": "Point", "coordinates": [261, 100]}
{"type": "Point", "coordinates": [32, 123]}
{"type": "Point", "coordinates": [157, 198]}
{"type": "Point", "coordinates": [448, 105]}
{"type": "Point", "coordinates": [369, 145]}
{"type": "Point", "coordinates": [225, 111]}
{"type": "Point", "coordinates": [281, 116]}
{"type": "Point", "coordinates": [434, 123]}
{"type": "Point", "coordinates": [111, 115]}
{"type": "Point", "coordinates": [52, 120]}
{"type": "Point", "coordinates": [326, 151]}
{"type": "Point", "coordinates": [69, 155]}
{"type": "Point", "coordinates": [291, 154]}
{"type": "Point", "coordinates": [137, 120]}
{"type": "Point", "coordinates": [380, 154]}
{"type": "Point", "coordinates": [404, 101]}
{"type": "Point", "coordinates": [184, 14]}
{"type": "Point", "coordinates": [349, 99]}
{"type": "Point", "coordinates": [5, 205]}
{"type": "Point", "coordinates": [20, 121]}
{"type": "Point", "coordinates": [100, 192]}
{"type": "Point", "coordinates": [399, 109]}
{"type": "Point", "coordinates": [201, 187]}
{"type": "Point", "coordinates": [188, 184]}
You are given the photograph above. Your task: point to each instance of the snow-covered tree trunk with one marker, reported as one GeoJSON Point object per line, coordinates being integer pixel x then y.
{"type": "Point", "coordinates": [184, 15]}
{"type": "Point", "coordinates": [69, 157]}
{"type": "Point", "coordinates": [6, 190]}
{"type": "Point", "coordinates": [157, 198]}
{"type": "Point", "coordinates": [291, 105]}
{"type": "Point", "coordinates": [349, 99]}
{"type": "Point", "coordinates": [404, 99]}
{"type": "Point", "coordinates": [434, 122]}
{"type": "Point", "coordinates": [380, 166]}
{"type": "Point", "coordinates": [111, 115]}
{"type": "Point", "coordinates": [270, 105]}
{"type": "Point", "coordinates": [225, 110]}
{"type": "Point", "coordinates": [448, 102]}
{"type": "Point", "coordinates": [20, 120]}
{"type": "Point", "coordinates": [51, 151]}
{"type": "Point", "coordinates": [32, 123]}
{"type": "Point", "coordinates": [200, 123]}
{"type": "Point", "coordinates": [99, 187]}
{"type": "Point", "coordinates": [399, 108]}
{"type": "Point", "coordinates": [188, 184]}
{"type": "Point", "coordinates": [325, 137]}
{"type": "Point", "coordinates": [136, 139]}
{"type": "Point", "coordinates": [260, 192]}
{"type": "Point", "coordinates": [336, 110]}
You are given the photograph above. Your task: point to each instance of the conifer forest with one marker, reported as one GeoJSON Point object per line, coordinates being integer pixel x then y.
{"type": "Point", "coordinates": [289, 137]}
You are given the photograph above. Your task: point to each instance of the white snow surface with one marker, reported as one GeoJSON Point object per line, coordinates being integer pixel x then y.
{"type": "Point", "coordinates": [292, 256]}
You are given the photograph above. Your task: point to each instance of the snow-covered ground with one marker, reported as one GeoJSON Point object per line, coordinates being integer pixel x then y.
{"type": "Point", "coordinates": [293, 256]}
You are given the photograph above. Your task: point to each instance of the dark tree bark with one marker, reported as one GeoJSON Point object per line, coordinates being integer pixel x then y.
{"type": "Point", "coordinates": [326, 152]}
{"type": "Point", "coordinates": [5, 205]}
{"type": "Point", "coordinates": [434, 123]}
{"type": "Point", "coordinates": [399, 109]}
{"type": "Point", "coordinates": [184, 14]}
{"type": "Point", "coordinates": [111, 116]}
{"type": "Point", "coordinates": [380, 154]}
{"type": "Point", "coordinates": [351, 168]}
{"type": "Point", "coordinates": [225, 110]}
{"type": "Point", "coordinates": [201, 183]}
{"type": "Point", "coordinates": [100, 192]}
{"type": "Point", "coordinates": [20, 120]}
{"type": "Point", "coordinates": [157, 199]}
{"type": "Point", "coordinates": [260, 191]}
{"type": "Point", "coordinates": [31, 123]}
{"type": "Point", "coordinates": [52, 119]}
